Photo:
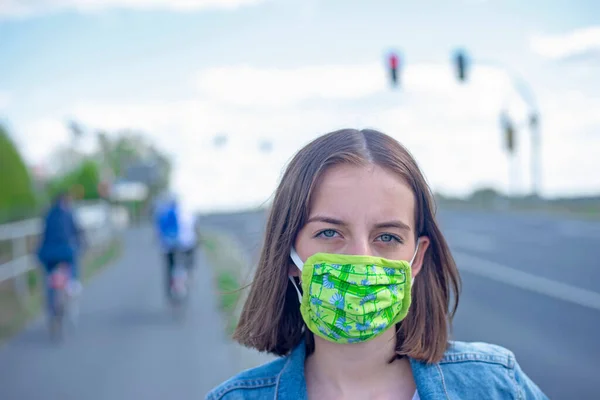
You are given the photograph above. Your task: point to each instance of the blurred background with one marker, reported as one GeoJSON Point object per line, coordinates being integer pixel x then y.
{"type": "Point", "coordinates": [119, 101]}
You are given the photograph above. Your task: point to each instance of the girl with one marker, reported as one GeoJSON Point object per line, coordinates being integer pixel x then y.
{"type": "Point", "coordinates": [356, 287]}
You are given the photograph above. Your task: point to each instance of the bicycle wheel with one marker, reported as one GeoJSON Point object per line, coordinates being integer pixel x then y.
{"type": "Point", "coordinates": [56, 321]}
{"type": "Point", "coordinates": [58, 282]}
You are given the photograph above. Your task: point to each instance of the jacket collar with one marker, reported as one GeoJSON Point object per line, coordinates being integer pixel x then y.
{"type": "Point", "coordinates": [291, 382]}
{"type": "Point", "coordinates": [429, 379]}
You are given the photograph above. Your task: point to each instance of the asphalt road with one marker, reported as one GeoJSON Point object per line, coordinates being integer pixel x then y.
{"type": "Point", "coordinates": [127, 344]}
{"type": "Point", "coordinates": [531, 283]}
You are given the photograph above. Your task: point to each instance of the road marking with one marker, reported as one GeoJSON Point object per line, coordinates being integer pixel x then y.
{"type": "Point", "coordinates": [514, 277]}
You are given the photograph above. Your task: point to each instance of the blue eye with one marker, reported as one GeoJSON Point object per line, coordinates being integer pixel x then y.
{"type": "Point", "coordinates": [387, 238]}
{"type": "Point", "coordinates": [328, 233]}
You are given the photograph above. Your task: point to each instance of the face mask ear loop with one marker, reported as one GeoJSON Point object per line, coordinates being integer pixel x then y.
{"type": "Point", "coordinates": [298, 261]}
{"type": "Point", "coordinates": [412, 280]}
{"type": "Point", "coordinates": [414, 255]}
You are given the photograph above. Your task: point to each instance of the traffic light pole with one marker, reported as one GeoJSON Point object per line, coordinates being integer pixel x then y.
{"type": "Point", "coordinates": [513, 175]}
{"type": "Point", "coordinates": [521, 87]}
{"type": "Point", "coordinates": [536, 165]}
{"type": "Point", "coordinates": [508, 131]}
{"type": "Point", "coordinates": [525, 92]}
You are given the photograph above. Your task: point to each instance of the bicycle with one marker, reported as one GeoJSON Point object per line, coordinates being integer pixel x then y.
{"type": "Point", "coordinates": [181, 281]}
{"type": "Point", "coordinates": [58, 282]}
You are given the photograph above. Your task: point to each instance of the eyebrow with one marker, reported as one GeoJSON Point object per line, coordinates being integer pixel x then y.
{"type": "Point", "coordinates": [327, 220]}
{"type": "Point", "coordinates": [393, 224]}
{"type": "Point", "coordinates": [334, 221]}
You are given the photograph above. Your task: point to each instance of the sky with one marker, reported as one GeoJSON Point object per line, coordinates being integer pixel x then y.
{"type": "Point", "coordinates": [287, 71]}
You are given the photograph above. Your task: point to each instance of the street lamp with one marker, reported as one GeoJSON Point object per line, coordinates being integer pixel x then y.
{"type": "Point", "coordinates": [220, 140]}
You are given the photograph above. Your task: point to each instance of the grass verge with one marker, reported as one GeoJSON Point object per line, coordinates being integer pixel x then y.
{"type": "Point", "coordinates": [229, 265]}
{"type": "Point", "coordinates": [15, 314]}
{"type": "Point", "coordinates": [590, 212]}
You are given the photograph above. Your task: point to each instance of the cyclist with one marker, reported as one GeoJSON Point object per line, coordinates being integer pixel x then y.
{"type": "Point", "coordinates": [167, 229]}
{"type": "Point", "coordinates": [187, 236]}
{"type": "Point", "coordinates": [61, 242]}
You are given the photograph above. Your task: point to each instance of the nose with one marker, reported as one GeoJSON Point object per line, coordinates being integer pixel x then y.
{"type": "Point", "coordinates": [359, 246]}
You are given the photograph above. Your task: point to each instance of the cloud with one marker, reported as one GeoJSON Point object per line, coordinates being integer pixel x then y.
{"type": "Point", "coordinates": [573, 113]}
{"type": "Point", "coordinates": [274, 87]}
{"type": "Point", "coordinates": [19, 8]}
{"type": "Point", "coordinates": [432, 115]}
{"type": "Point", "coordinates": [249, 86]}
{"type": "Point", "coordinates": [579, 42]}
{"type": "Point", "coordinates": [41, 136]}
{"type": "Point", "coordinates": [451, 129]}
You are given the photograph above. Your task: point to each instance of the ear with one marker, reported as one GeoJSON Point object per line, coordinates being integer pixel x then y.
{"type": "Point", "coordinates": [418, 262]}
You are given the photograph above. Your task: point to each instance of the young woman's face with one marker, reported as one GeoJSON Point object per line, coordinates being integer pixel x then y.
{"type": "Point", "coordinates": [361, 210]}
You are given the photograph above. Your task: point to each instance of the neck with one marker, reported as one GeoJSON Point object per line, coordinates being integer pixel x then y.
{"type": "Point", "coordinates": [350, 367]}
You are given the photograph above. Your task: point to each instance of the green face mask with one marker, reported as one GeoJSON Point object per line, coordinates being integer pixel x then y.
{"type": "Point", "coordinates": [352, 299]}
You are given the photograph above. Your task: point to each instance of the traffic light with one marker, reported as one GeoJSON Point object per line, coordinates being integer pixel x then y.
{"type": "Point", "coordinates": [220, 140]}
{"type": "Point", "coordinates": [265, 146]}
{"type": "Point", "coordinates": [533, 121]}
{"type": "Point", "coordinates": [460, 61]}
{"type": "Point", "coordinates": [508, 129]}
{"type": "Point", "coordinates": [510, 138]}
{"type": "Point", "coordinates": [394, 69]}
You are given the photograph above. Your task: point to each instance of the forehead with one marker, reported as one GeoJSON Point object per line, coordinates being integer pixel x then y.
{"type": "Point", "coordinates": [367, 193]}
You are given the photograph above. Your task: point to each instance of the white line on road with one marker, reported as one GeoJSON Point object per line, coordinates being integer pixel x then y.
{"type": "Point", "coordinates": [527, 281]}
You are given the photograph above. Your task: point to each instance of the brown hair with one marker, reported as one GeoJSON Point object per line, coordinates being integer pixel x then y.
{"type": "Point", "coordinates": [271, 319]}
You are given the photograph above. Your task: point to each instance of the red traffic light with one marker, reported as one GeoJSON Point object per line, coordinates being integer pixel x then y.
{"type": "Point", "coordinates": [394, 60]}
{"type": "Point", "coordinates": [394, 66]}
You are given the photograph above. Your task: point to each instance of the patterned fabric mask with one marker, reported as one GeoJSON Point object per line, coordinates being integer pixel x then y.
{"type": "Point", "coordinates": [352, 299]}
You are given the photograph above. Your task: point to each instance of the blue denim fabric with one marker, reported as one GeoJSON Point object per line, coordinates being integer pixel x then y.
{"type": "Point", "coordinates": [468, 371]}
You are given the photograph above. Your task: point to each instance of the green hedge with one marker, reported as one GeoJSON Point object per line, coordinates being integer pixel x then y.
{"type": "Point", "coordinates": [17, 197]}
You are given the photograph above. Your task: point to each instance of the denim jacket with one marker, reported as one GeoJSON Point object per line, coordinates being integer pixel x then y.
{"type": "Point", "coordinates": [467, 371]}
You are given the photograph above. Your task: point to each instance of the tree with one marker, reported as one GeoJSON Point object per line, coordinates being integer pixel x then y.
{"type": "Point", "coordinates": [130, 156]}
{"type": "Point", "coordinates": [485, 197]}
{"type": "Point", "coordinates": [17, 196]}
{"type": "Point", "coordinates": [87, 177]}
{"type": "Point", "coordinates": [82, 182]}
